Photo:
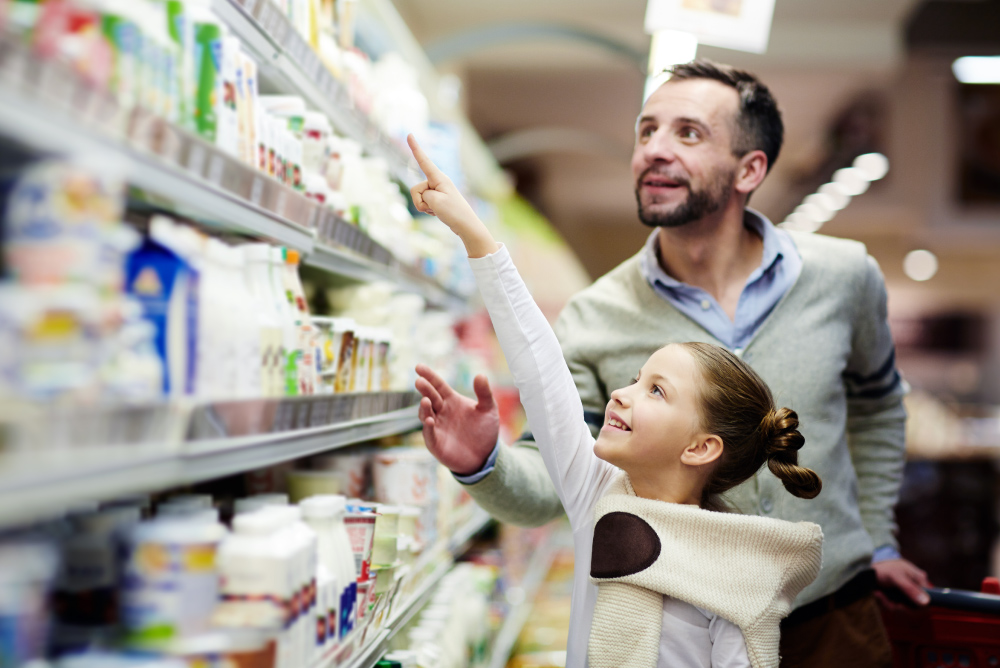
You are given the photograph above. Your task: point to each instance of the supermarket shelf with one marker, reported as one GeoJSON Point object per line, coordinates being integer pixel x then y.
{"type": "Point", "coordinates": [46, 108]}
{"type": "Point", "coordinates": [534, 576]}
{"type": "Point", "coordinates": [373, 650]}
{"type": "Point", "coordinates": [289, 66]}
{"type": "Point", "coordinates": [36, 483]}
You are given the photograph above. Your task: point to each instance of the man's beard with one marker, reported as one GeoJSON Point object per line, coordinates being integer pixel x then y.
{"type": "Point", "coordinates": [699, 203]}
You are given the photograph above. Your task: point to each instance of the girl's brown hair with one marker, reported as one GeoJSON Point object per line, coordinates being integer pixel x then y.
{"type": "Point", "coordinates": [737, 406]}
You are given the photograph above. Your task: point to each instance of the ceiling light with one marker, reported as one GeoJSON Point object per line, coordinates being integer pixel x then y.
{"type": "Point", "coordinates": [802, 222]}
{"type": "Point", "coordinates": [851, 181]}
{"type": "Point", "coordinates": [836, 194]}
{"type": "Point", "coordinates": [824, 202]}
{"type": "Point", "coordinates": [817, 213]}
{"type": "Point", "coordinates": [977, 69]}
{"type": "Point", "coordinates": [920, 265]}
{"type": "Point", "coordinates": [872, 166]}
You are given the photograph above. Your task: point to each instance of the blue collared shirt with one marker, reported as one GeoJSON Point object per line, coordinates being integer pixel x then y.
{"type": "Point", "coordinates": [779, 268]}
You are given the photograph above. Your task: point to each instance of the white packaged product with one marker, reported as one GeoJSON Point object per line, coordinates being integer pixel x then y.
{"type": "Point", "coordinates": [317, 512]}
{"type": "Point", "coordinates": [353, 470]}
{"type": "Point", "coordinates": [272, 352]}
{"type": "Point", "coordinates": [316, 133]}
{"type": "Point", "coordinates": [299, 540]}
{"type": "Point", "coordinates": [289, 329]}
{"type": "Point", "coordinates": [257, 580]}
{"type": "Point", "coordinates": [409, 476]}
{"type": "Point", "coordinates": [171, 582]}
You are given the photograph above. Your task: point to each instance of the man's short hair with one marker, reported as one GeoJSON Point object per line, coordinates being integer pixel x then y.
{"type": "Point", "coordinates": [758, 123]}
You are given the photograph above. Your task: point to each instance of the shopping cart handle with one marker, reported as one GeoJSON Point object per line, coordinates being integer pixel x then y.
{"type": "Point", "coordinates": [960, 599]}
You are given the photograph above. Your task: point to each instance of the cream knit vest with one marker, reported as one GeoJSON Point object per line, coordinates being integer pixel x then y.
{"type": "Point", "coordinates": [745, 569]}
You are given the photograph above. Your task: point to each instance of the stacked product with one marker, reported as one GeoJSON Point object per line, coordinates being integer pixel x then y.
{"type": "Point", "coordinates": [69, 332]}
{"type": "Point", "coordinates": [286, 586]}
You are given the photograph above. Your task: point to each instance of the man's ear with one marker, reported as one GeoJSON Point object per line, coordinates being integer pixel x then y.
{"type": "Point", "coordinates": [705, 449]}
{"type": "Point", "coordinates": [751, 171]}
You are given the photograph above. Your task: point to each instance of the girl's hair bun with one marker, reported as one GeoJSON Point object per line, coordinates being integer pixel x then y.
{"type": "Point", "coordinates": [782, 441]}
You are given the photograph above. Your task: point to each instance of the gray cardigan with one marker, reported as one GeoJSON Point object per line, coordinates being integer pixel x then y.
{"type": "Point", "coordinates": [825, 351]}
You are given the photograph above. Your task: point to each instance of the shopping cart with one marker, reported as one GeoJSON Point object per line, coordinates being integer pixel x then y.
{"type": "Point", "coordinates": [958, 628]}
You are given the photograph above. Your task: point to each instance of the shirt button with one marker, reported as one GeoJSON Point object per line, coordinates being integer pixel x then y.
{"type": "Point", "coordinates": [766, 505]}
{"type": "Point", "coordinates": [705, 304]}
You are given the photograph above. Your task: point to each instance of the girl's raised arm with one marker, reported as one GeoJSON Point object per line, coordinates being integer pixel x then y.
{"type": "Point", "coordinates": [548, 394]}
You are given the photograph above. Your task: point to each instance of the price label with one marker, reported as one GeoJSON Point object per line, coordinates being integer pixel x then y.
{"type": "Point", "coordinates": [279, 204]}
{"type": "Point", "coordinates": [257, 190]}
{"type": "Point", "coordinates": [196, 158]}
{"type": "Point", "coordinates": [216, 168]}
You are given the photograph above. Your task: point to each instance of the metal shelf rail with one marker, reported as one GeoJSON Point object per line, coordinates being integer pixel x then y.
{"type": "Point", "coordinates": [98, 455]}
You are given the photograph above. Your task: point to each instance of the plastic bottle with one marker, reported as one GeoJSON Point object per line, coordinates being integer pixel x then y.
{"type": "Point", "coordinates": [316, 133]}
{"type": "Point", "coordinates": [227, 127]}
{"type": "Point", "coordinates": [300, 310]}
{"type": "Point", "coordinates": [171, 584]}
{"type": "Point", "coordinates": [208, 34]}
{"type": "Point", "coordinates": [247, 333]}
{"type": "Point", "coordinates": [345, 563]}
{"type": "Point", "coordinates": [318, 512]}
{"type": "Point", "coordinates": [273, 354]}
{"type": "Point", "coordinates": [289, 329]}
{"type": "Point", "coordinates": [216, 363]}
{"type": "Point", "coordinates": [300, 541]}
{"type": "Point", "coordinates": [255, 579]}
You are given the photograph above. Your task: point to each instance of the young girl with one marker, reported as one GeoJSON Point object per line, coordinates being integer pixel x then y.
{"type": "Point", "coordinates": [673, 581]}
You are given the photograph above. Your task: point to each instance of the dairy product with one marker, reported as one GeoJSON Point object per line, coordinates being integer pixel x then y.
{"type": "Point", "coordinates": [303, 483]}
{"type": "Point", "coordinates": [386, 536]}
{"type": "Point", "coordinates": [272, 352]}
{"type": "Point", "coordinates": [306, 332]}
{"type": "Point", "coordinates": [289, 327]}
{"type": "Point", "coordinates": [166, 284]}
{"type": "Point", "coordinates": [256, 581]}
{"type": "Point", "coordinates": [171, 584]}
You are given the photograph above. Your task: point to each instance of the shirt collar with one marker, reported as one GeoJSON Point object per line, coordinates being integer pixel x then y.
{"type": "Point", "coordinates": [772, 254]}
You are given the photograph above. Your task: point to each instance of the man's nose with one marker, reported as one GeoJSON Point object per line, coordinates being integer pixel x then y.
{"type": "Point", "coordinates": [657, 147]}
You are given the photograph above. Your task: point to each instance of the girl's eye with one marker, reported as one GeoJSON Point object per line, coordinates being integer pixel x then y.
{"type": "Point", "coordinates": [656, 390]}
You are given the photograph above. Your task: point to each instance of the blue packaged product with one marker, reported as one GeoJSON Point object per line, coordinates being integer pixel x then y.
{"type": "Point", "coordinates": [167, 287]}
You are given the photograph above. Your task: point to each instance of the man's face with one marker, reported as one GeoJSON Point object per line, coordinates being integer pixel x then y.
{"type": "Point", "coordinates": [683, 163]}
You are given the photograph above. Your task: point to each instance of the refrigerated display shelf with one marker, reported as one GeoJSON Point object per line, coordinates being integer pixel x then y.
{"type": "Point", "coordinates": [517, 616]}
{"type": "Point", "coordinates": [288, 65]}
{"type": "Point", "coordinates": [47, 108]}
{"type": "Point", "coordinates": [369, 654]}
{"type": "Point", "coordinates": [36, 483]}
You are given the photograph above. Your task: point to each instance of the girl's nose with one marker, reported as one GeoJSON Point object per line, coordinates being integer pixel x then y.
{"type": "Point", "coordinates": [619, 396]}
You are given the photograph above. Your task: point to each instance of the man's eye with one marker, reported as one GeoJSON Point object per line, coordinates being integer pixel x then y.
{"type": "Point", "coordinates": [690, 134]}
{"type": "Point", "coordinates": [646, 132]}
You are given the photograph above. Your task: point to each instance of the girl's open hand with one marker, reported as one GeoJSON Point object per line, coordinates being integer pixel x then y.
{"type": "Point", "coordinates": [438, 196]}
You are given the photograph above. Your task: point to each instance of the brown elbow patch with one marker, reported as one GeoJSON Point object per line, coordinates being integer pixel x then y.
{"type": "Point", "coordinates": [624, 544]}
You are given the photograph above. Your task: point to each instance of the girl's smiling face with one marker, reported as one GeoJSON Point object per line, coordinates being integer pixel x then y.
{"type": "Point", "coordinates": [649, 423]}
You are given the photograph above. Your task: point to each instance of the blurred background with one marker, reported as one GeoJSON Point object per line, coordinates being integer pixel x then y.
{"type": "Point", "coordinates": [215, 289]}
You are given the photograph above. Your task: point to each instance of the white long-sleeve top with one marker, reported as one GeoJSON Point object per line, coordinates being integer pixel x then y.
{"type": "Point", "coordinates": [691, 637]}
